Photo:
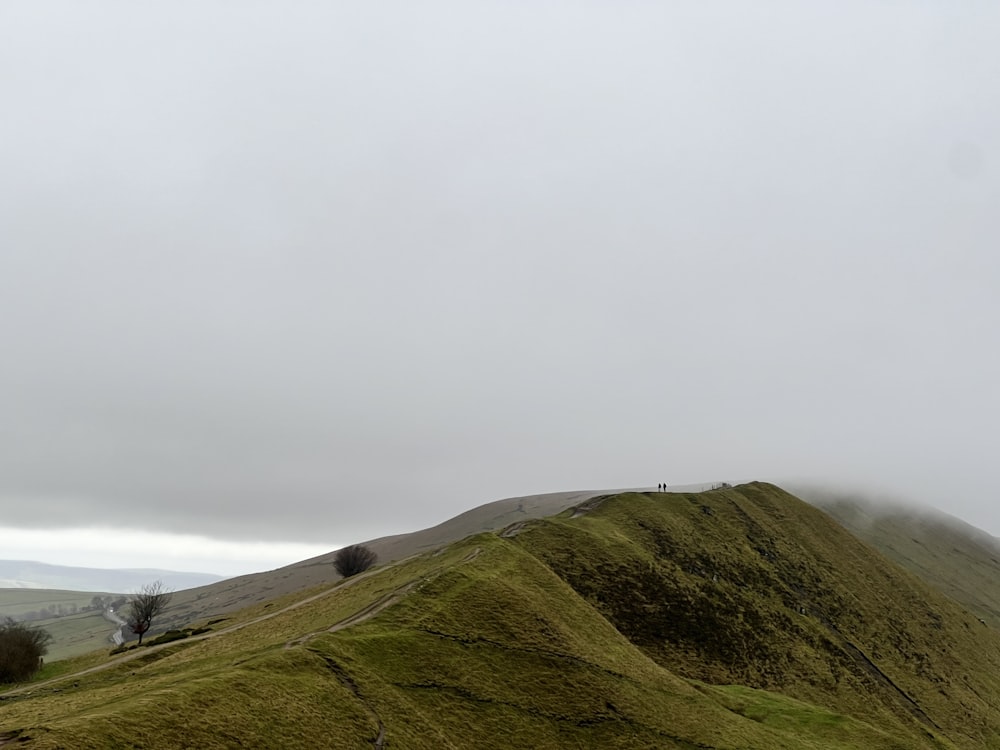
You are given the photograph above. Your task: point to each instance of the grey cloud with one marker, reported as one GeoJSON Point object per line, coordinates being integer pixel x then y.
{"type": "Point", "coordinates": [320, 271]}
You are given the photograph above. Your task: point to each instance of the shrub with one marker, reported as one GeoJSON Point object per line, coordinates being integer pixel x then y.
{"type": "Point", "coordinates": [21, 650]}
{"type": "Point", "coordinates": [352, 560]}
{"type": "Point", "coordinates": [169, 637]}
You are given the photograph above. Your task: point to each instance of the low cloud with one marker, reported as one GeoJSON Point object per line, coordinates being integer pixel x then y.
{"type": "Point", "coordinates": [320, 274]}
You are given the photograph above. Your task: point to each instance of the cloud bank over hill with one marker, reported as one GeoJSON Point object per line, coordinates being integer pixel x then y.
{"type": "Point", "coordinates": [321, 273]}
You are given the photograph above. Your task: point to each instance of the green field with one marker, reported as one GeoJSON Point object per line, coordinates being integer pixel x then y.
{"type": "Point", "coordinates": [73, 633]}
{"type": "Point", "coordinates": [17, 602]}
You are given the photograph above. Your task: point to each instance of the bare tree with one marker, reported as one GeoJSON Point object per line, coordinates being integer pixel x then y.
{"type": "Point", "coordinates": [21, 650]}
{"type": "Point", "coordinates": [352, 560]}
{"type": "Point", "coordinates": [144, 605]}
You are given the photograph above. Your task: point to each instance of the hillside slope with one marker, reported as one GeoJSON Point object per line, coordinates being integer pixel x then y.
{"type": "Point", "coordinates": [236, 593]}
{"type": "Point", "coordinates": [740, 618]}
{"type": "Point", "coordinates": [481, 646]}
{"type": "Point", "coordinates": [956, 558]}
{"type": "Point", "coordinates": [752, 586]}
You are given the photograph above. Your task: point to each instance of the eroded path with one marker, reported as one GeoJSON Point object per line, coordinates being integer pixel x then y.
{"type": "Point", "coordinates": [591, 504]}
{"type": "Point", "coordinates": [360, 616]}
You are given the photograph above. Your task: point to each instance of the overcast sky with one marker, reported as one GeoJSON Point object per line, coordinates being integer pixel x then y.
{"type": "Point", "coordinates": [307, 273]}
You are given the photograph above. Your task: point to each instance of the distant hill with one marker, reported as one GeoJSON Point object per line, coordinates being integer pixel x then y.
{"type": "Point", "coordinates": [735, 619]}
{"type": "Point", "coordinates": [36, 575]}
{"type": "Point", "coordinates": [956, 558]}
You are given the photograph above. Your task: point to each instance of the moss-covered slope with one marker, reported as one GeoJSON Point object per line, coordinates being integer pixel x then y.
{"type": "Point", "coordinates": [954, 557]}
{"type": "Point", "coordinates": [752, 586]}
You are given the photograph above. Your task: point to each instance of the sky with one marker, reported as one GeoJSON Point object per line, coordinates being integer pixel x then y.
{"type": "Point", "coordinates": [280, 277]}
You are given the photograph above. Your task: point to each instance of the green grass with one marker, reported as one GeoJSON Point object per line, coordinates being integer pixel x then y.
{"type": "Point", "coordinates": [72, 634]}
{"type": "Point", "coordinates": [77, 634]}
{"type": "Point", "coordinates": [16, 602]}
{"type": "Point", "coordinates": [957, 559]}
{"type": "Point", "coordinates": [752, 586]}
{"type": "Point", "coordinates": [580, 632]}
{"type": "Point", "coordinates": [803, 719]}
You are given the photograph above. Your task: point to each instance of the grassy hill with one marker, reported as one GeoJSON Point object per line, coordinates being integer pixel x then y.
{"type": "Point", "coordinates": [79, 634]}
{"type": "Point", "coordinates": [739, 618]}
{"type": "Point", "coordinates": [754, 587]}
{"type": "Point", "coordinates": [954, 557]}
{"type": "Point", "coordinates": [233, 594]}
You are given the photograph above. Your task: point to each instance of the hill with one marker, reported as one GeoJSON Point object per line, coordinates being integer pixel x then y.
{"type": "Point", "coordinates": [194, 599]}
{"type": "Point", "coordinates": [15, 574]}
{"type": "Point", "coordinates": [954, 557]}
{"type": "Point", "coordinates": [754, 587]}
{"type": "Point", "coordinates": [233, 594]}
{"type": "Point", "coordinates": [738, 618]}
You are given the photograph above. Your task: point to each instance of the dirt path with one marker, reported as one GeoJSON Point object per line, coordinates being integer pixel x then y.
{"type": "Point", "coordinates": [358, 617]}
{"type": "Point", "coordinates": [589, 505]}
{"type": "Point", "coordinates": [513, 530]}
{"type": "Point", "coordinates": [347, 681]}
{"type": "Point", "coordinates": [116, 636]}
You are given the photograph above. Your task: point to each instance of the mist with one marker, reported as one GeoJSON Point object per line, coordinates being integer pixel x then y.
{"type": "Point", "coordinates": [319, 273]}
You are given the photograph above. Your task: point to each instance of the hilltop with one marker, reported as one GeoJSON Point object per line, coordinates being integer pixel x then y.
{"type": "Point", "coordinates": [736, 618]}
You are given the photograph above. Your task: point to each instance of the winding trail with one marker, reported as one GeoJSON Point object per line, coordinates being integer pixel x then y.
{"type": "Point", "coordinates": [360, 616]}
{"type": "Point", "coordinates": [513, 530]}
{"type": "Point", "coordinates": [116, 636]}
